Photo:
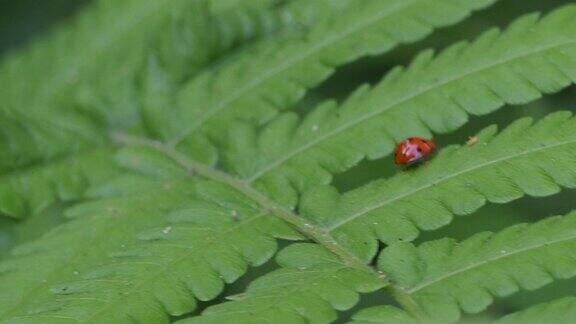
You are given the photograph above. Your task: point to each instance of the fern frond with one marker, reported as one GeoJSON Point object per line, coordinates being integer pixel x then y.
{"type": "Point", "coordinates": [141, 257]}
{"type": "Point", "coordinates": [31, 136]}
{"type": "Point", "coordinates": [124, 31]}
{"type": "Point", "coordinates": [42, 84]}
{"type": "Point", "coordinates": [223, 174]}
{"type": "Point", "coordinates": [433, 95]}
{"type": "Point", "coordinates": [166, 74]}
{"type": "Point", "coordinates": [523, 159]}
{"type": "Point", "coordinates": [71, 98]}
{"type": "Point", "coordinates": [557, 311]}
{"type": "Point", "coordinates": [119, 23]}
{"type": "Point", "coordinates": [310, 285]}
{"type": "Point", "coordinates": [445, 276]}
{"type": "Point", "coordinates": [255, 87]}
{"type": "Point", "coordinates": [522, 149]}
{"type": "Point", "coordinates": [29, 191]}
{"type": "Point", "coordinates": [190, 42]}
{"type": "Point", "coordinates": [18, 232]}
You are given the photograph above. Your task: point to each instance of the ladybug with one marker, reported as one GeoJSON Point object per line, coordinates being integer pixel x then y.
{"type": "Point", "coordinates": [413, 150]}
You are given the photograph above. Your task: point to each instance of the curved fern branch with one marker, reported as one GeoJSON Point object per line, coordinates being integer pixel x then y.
{"type": "Point", "coordinates": [435, 94]}
{"type": "Point", "coordinates": [73, 294]}
{"type": "Point", "coordinates": [60, 133]}
{"type": "Point", "coordinates": [522, 159]}
{"type": "Point", "coordinates": [281, 72]}
{"type": "Point", "coordinates": [553, 132]}
{"type": "Point", "coordinates": [72, 99]}
{"type": "Point", "coordinates": [152, 252]}
{"type": "Point", "coordinates": [444, 276]}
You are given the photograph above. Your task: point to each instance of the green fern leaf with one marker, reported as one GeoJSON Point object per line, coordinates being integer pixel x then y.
{"type": "Point", "coordinates": [310, 285]}
{"type": "Point", "coordinates": [125, 24]}
{"type": "Point", "coordinates": [223, 173]}
{"type": "Point", "coordinates": [29, 139]}
{"type": "Point", "coordinates": [150, 255]}
{"type": "Point", "coordinates": [444, 276]}
{"type": "Point", "coordinates": [557, 311]}
{"type": "Point", "coordinates": [434, 95]}
{"type": "Point", "coordinates": [29, 191]}
{"type": "Point", "coordinates": [382, 314]}
{"type": "Point", "coordinates": [14, 233]}
{"type": "Point", "coordinates": [522, 151]}
{"type": "Point", "coordinates": [256, 87]}
{"type": "Point", "coordinates": [51, 83]}
{"type": "Point", "coordinates": [71, 99]}
{"type": "Point", "coordinates": [169, 68]}
{"type": "Point", "coordinates": [523, 159]}
{"type": "Point", "coordinates": [122, 18]}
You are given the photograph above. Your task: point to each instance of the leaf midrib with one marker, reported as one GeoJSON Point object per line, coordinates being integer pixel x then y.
{"type": "Point", "coordinates": [302, 224]}
{"type": "Point", "coordinates": [353, 122]}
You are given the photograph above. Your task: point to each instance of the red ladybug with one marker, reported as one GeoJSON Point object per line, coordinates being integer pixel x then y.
{"type": "Point", "coordinates": [413, 150]}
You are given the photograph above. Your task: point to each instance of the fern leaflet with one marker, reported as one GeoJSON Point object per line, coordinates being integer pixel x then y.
{"type": "Point", "coordinates": [202, 233]}
{"type": "Point", "coordinates": [282, 71]}
{"type": "Point", "coordinates": [310, 285]}
{"type": "Point", "coordinates": [444, 276]}
{"type": "Point", "coordinates": [522, 159]}
{"type": "Point", "coordinates": [29, 191]}
{"type": "Point", "coordinates": [557, 311]}
{"type": "Point", "coordinates": [433, 95]}
{"type": "Point", "coordinates": [224, 173]}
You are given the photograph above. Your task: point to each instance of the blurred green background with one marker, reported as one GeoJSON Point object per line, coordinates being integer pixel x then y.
{"type": "Point", "coordinates": [23, 20]}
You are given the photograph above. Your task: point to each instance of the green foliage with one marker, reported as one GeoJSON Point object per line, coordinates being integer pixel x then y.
{"type": "Point", "coordinates": [445, 275]}
{"type": "Point", "coordinates": [283, 70]}
{"type": "Point", "coordinates": [137, 241]}
{"type": "Point", "coordinates": [155, 152]}
{"type": "Point", "coordinates": [382, 314]}
{"type": "Point", "coordinates": [309, 287]}
{"type": "Point", "coordinates": [432, 95]}
{"type": "Point", "coordinates": [30, 190]}
{"type": "Point", "coordinates": [523, 159]}
{"type": "Point", "coordinates": [49, 136]}
{"type": "Point", "coordinates": [557, 311]}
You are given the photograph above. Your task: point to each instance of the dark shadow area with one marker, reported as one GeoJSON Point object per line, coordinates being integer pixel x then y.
{"type": "Point", "coordinates": [494, 217]}
{"type": "Point", "coordinates": [21, 20]}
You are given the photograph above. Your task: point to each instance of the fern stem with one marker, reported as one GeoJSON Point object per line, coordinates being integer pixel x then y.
{"type": "Point", "coordinates": [306, 227]}
{"type": "Point", "coordinates": [406, 301]}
